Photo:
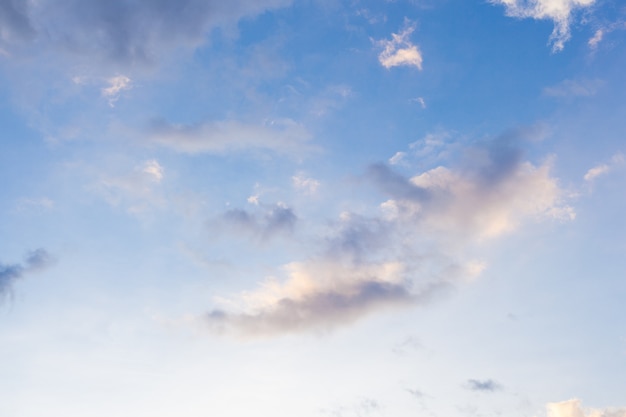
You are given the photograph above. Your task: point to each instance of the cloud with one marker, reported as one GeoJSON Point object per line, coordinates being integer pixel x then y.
{"type": "Point", "coordinates": [116, 86]}
{"type": "Point", "coordinates": [603, 169]}
{"type": "Point", "coordinates": [559, 11]}
{"type": "Point", "coordinates": [413, 248]}
{"type": "Point", "coordinates": [490, 194]}
{"type": "Point", "coordinates": [573, 88]}
{"type": "Point", "coordinates": [137, 190]}
{"type": "Point", "coordinates": [33, 262]}
{"type": "Point", "coordinates": [319, 295]}
{"type": "Point", "coordinates": [282, 136]}
{"type": "Point", "coordinates": [596, 39]}
{"type": "Point", "coordinates": [15, 25]}
{"type": "Point", "coordinates": [305, 184]}
{"type": "Point", "coordinates": [486, 385]}
{"type": "Point", "coordinates": [121, 32]}
{"type": "Point", "coordinates": [399, 51]}
{"type": "Point", "coordinates": [276, 220]}
{"type": "Point", "coordinates": [573, 408]}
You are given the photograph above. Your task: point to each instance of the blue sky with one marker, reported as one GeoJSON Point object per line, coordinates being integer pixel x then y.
{"type": "Point", "coordinates": [313, 208]}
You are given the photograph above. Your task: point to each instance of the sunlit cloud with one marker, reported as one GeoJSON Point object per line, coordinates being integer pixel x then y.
{"type": "Point", "coordinates": [561, 12]}
{"type": "Point", "coordinates": [573, 408]}
{"type": "Point", "coordinates": [399, 50]}
{"type": "Point", "coordinates": [603, 169]}
{"type": "Point", "coordinates": [117, 84]}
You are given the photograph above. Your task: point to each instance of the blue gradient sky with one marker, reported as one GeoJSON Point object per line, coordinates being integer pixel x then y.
{"type": "Point", "coordinates": [312, 208]}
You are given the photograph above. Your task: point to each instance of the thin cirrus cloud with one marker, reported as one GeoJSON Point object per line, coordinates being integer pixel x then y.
{"type": "Point", "coordinates": [402, 255]}
{"type": "Point", "coordinates": [137, 190]}
{"type": "Point", "coordinates": [561, 12]}
{"type": "Point", "coordinates": [574, 408]}
{"type": "Point", "coordinates": [120, 31]}
{"type": "Point", "coordinates": [282, 136]}
{"type": "Point", "coordinates": [574, 88]}
{"type": "Point", "coordinates": [33, 262]}
{"type": "Point", "coordinates": [399, 50]}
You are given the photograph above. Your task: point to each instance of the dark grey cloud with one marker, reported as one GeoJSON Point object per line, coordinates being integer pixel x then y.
{"type": "Point", "coordinates": [488, 385]}
{"type": "Point", "coordinates": [275, 220]}
{"type": "Point", "coordinates": [123, 31]}
{"type": "Point", "coordinates": [10, 274]}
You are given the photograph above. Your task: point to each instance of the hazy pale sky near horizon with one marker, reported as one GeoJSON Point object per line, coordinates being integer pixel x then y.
{"type": "Point", "coordinates": [311, 208]}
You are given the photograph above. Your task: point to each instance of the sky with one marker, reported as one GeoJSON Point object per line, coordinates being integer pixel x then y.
{"type": "Point", "coordinates": [312, 208]}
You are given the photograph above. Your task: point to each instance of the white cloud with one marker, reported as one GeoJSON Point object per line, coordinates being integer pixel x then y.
{"type": "Point", "coordinates": [283, 136]}
{"type": "Point", "coordinates": [117, 84]}
{"type": "Point", "coordinates": [573, 408]}
{"type": "Point", "coordinates": [559, 11]}
{"type": "Point", "coordinates": [603, 169]}
{"type": "Point", "coordinates": [399, 51]}
{"type": "Point", "coordinates": [303, 183]}
{"type": "Point", "coordinates": [397, 158]}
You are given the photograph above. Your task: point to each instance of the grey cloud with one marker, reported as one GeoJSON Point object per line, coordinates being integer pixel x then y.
{"type": "Point", "coordinates": [277, 219]}
{"type": "Point", "coordinates": [320, 310]}
{"type": "Point", "coordinates": [395, 185]}
{"type": "Point", "coordinates": [14, 21]}
{"type": "Point", "coordinates": [10, 274]}
{"type": "Point", "coordinates": [487, 385]}
{"type": "Point", "coordinates": [124, 31]}
{"type": "Point", "coordinates": [358, 237]}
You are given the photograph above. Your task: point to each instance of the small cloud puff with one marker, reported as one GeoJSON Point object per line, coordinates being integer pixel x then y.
{"type": "Point", "coordinates": [559, 11]}
{"type": "Point", "coordinates": [116, 86]}
{"type": "Point", "coordinates": [399, 51]}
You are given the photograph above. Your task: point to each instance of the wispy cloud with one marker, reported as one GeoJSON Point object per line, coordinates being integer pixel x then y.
{"type": "Point", "coordinates": [399, 50]}
{"type": "Point", "coordinates": [561, 12]}
{"type": "Point", "coordinates": [116, 85]}
{"type": "Point", "coordinates": [33, 262]}
{"type": "Point", "coordinates": [136, 190]}
{"type": "Point", "coordinates": [282, 136]}
{"type": "Point", "coordinates": [603, 169]}
{"type": "Point", "coordinates": [574, 88]}
{"type": "Point", "coordinates": [305, 184]}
